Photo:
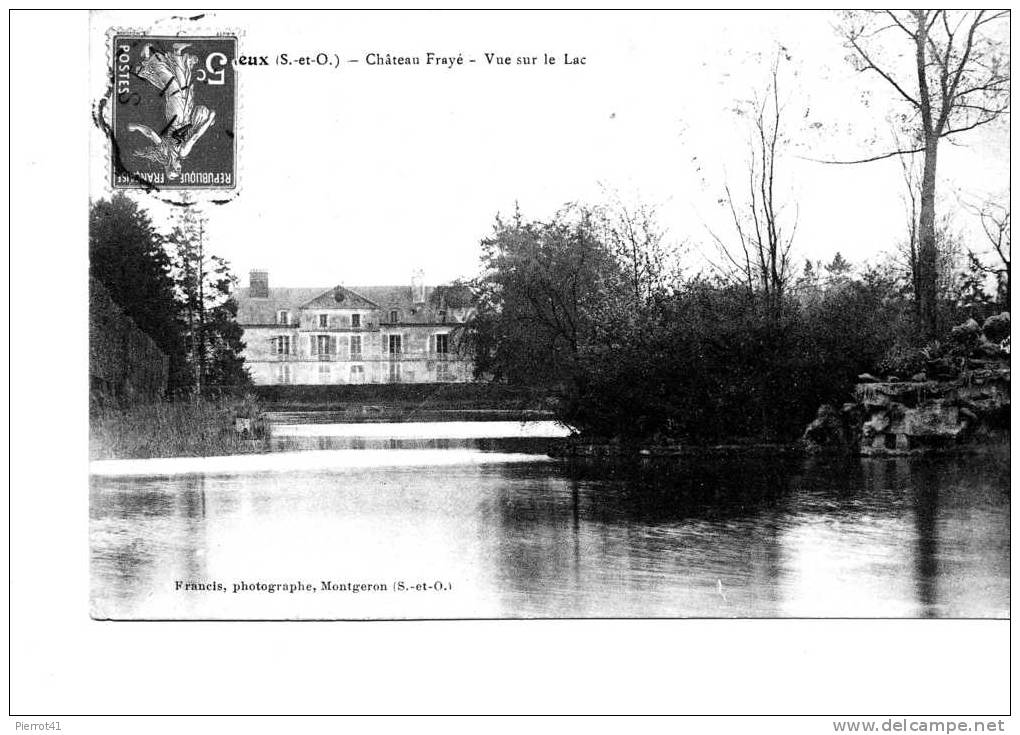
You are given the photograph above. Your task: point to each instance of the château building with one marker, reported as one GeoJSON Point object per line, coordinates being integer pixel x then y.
{"type": "Point", "coordinates": [357, 334]}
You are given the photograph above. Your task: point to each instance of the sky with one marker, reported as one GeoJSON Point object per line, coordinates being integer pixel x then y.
{"type": "Point", "coordinates": [360, 175]}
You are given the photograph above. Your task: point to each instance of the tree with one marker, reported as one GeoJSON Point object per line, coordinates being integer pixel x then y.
{"type": "Point", "coordinates": [543, 289]}
{"type": "Point", "coordinates": [224, 365]}
{"type": "Point", "coordinates": [971, 295]}
{"type": "Point", "coordinates": [838, 271]}
{"type": "Point", "coordinates": [127, 255]}
{"type": "Point", "coordinates": [638, 244]}
{"type": "Point", "coordinates": [203, 285]}
{"type": "Point", "coordinates": [947, 249]}
{"type": "Point", "coordinates": [959, 81]}
{"type": "Point", "coordinates": [808, 287]}
{"type": "Point", "coordinates": [762, 260]}
{"type": "Point", "coordinates": [995, 222]}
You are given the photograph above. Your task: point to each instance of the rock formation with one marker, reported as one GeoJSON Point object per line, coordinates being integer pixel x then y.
{"type": "Point", "coordinates": [961, 396]}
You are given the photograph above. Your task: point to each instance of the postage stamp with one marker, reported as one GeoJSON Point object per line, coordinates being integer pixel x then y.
{"type": "Point", "coordinates": [174, 112]}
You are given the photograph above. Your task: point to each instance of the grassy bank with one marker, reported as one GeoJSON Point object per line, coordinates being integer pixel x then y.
{"type": "Point", "coordinates": [172, 429]}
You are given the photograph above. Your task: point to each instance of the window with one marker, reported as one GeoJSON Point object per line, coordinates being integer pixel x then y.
{"type": "Point", "coordinates": [443, 372]}
{"type": "Point", "coordinates": [394, 344]}
{"type": "Point", "coordinates": [394, 316]}
{"type": "Point", "coordinates": [356, 321]}
{"type": "Point", "coordinates": [283, 373]}
{"type": "Point", "coordinates": [443, 344]}
{"type": "Point", "coordinates": [283, 317]}
{"type": "Point", "coordinates": [394, 372]}
{"type": "Point", "coordinates": [324, 372]}
{"type": "Point", "coordinates": [355, 346]}
{"type": "Point", "coordinates": [442, 316]}
{"type": "Point", "coordinates": [323, 344]}
{"type": "Point", "coordinates": [357, 374]}
{"type": "Point", "coordinates": [281, 345]}
{"type": "Point", "coordinates": [323, 321]}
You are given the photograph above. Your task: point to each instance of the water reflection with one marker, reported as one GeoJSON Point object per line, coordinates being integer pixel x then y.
{"type": "Point", "coordinates": [723, 536]}
{"type": "Point", "coordinates": [154, 525]}
{"type": "Point", "coordinates": [530, 445]}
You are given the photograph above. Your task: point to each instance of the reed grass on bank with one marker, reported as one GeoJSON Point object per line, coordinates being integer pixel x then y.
{"type": "Point", "coordinates": [173, 429]}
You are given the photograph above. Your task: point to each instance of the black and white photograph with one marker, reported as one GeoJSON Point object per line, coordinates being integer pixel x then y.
{"type": "Point", "coordinates": [522, 316]}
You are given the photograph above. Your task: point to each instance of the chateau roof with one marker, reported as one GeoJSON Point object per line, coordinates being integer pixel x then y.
{"type": "Point", "coordinates": [263, 311]}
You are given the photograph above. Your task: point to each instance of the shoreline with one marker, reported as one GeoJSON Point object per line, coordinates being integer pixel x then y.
{"type": "Point", "coordinates": [207, 429]}
{"type": "Point", "coordinates": [608, 450]}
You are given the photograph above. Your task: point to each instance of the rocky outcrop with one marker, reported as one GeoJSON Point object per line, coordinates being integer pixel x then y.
{"type": "Point", "coordinates": [832, 428]}
{"type": "Point", "coordinates": [960, 397]}
{"type": "Point", "coordinates": [934, 414]}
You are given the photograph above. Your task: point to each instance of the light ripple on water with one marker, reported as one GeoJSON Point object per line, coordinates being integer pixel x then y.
{"type": "Point", "coordinates": [339, 459]}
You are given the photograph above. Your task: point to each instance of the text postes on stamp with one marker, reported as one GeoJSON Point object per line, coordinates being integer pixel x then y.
{"type": "Point", "coordinates": [174, 110]}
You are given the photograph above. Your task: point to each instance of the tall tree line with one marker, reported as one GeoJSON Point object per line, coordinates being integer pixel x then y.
{"type": "Point", "coordinates": [174, 291]}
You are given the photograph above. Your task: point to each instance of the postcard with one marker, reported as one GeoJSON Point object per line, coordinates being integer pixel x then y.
{"type": "Point", "coordinates": [430, 315]}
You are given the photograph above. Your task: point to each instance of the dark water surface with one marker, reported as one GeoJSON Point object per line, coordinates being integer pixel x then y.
{"type": "Point", "coordinates": [507, 532]}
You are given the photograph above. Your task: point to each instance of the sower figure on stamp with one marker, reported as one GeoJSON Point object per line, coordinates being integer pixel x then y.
{"type": "Point", "coordinates": [186, 122]}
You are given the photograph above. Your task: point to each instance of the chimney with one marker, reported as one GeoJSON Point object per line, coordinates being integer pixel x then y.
{"type": "Point", "coordinates": [418, 286]}
{"type": "Point", "coordinates": [258, 284]}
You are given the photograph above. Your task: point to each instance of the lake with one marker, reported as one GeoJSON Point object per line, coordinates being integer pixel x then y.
{"type": "Point", "coordinates": [454, 521]}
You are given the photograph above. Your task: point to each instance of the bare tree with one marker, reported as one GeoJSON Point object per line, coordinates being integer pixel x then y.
{"type": "Point", "coordinates": [761, 261]}
{"type": "Point", "coordinates": [995, 221]}
{"type": "Point", "coordinates": [638, 242]}
{"type": "Point", "coordinates": [911, 180]}
{"type": "Point", "coordinates": [959, 81]}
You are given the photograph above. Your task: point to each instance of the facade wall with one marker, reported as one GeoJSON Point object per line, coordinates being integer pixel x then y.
{"type": "Point", "coordinates": [312, 354]}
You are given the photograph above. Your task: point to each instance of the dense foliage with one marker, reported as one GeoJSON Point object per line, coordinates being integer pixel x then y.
{"type": "Point", "coordinates": [539, 304]}
{"type": "Point", "coordinates": [703, 364]}
{"type": "Point", "coordinates": [177, 296]}
{"type": "Point", "coordinates": [693, 359]}
{"type": "Point", "coordinates": [128, 256]}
